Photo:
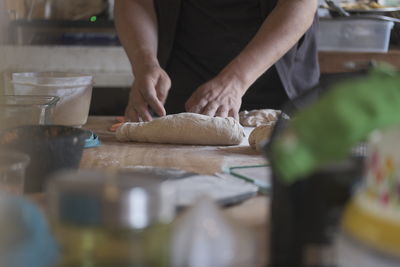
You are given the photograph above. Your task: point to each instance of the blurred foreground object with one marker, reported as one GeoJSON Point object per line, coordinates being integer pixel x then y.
{"type": "Point", "coordinates": [51, 148]}
{"type": "Point", "coordinates": [12, 171]}
{"type": "Point", "coordinates": [111, 219]}
{"type": "Point", "coordinates": [325, 131]}
{"type": "Point", "coordinates": [316, 172]}
{"type": "Point", "coordinates": [25, 239]}
{"type": "Point", "coordinates": [371, 222]}
{"type": "Point", "coordinates": [17, 110]}
{"type": "Point", "coordinates": [205, 238]}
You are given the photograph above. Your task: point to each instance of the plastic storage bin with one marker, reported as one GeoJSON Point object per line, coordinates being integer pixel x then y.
{"type": "Point", "coordinates": [74, 91]}
{"type": "Point", "coordinates": [354, 35]}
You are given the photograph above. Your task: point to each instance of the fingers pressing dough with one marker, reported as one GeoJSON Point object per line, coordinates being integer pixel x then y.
{"type": "Point", "coordinates": [184, 128]}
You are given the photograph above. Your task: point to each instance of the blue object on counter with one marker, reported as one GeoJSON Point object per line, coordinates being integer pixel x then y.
{"type": "Point", "coordinates": [92, 141]}
{"type": "Point", "coordinates": [25, 238]}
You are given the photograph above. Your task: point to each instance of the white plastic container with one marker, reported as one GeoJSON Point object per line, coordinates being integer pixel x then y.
{"type": "Point", "coordinates": [354, 35]}
{"type": "Point", "coordinates": [74, 91]}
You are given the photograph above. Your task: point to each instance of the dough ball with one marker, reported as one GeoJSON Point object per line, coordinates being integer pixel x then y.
{"type": "Point", "coordinates": [260, 135]}
{"type": "Point", "coordinates": [258, 117]}
{"type": "Point", "coordinates": [184, 128]}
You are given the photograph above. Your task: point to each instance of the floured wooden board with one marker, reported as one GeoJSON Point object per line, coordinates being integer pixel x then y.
{"type": "Point", "coordinates": [200, 159]}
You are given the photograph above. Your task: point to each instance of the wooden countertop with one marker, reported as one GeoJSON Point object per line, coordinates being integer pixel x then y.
{"type": "Point", "coordinates": [202, 159]}
{"type": "Point", "coordinates": [252, 213]}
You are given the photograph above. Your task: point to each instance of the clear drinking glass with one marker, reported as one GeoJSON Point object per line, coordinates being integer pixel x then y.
{"type": "Point", "coordinates": [12, 171]}
{"type": "Point", "coordinates": [16, 110]}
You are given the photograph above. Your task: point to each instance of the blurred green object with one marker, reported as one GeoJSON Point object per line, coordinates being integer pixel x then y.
{"type": "Point", "coordinates": [325, 131]}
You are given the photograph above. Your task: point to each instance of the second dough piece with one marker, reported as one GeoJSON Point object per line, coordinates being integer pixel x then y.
{"type": "Point", "coordinates": [260, 135]}
{"type": "Point", "coordinates": [184, 128]}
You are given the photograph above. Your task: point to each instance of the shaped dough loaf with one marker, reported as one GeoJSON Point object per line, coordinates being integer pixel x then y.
{"type": "Point", "coordinates": [184, 128]}
{"type": "Point", "coordinates": [260, 135]}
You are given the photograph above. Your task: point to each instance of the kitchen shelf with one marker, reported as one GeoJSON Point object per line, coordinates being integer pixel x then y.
{"type": "Point", "coordinates": [44, 23]}
{"type": "Point", "coordinates": [45, 32]}
{"type": "Point", "coordinates": [344, 62]}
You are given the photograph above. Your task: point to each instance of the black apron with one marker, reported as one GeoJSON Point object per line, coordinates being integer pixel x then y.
{"type": "Point", "coordinates": [197, 38]}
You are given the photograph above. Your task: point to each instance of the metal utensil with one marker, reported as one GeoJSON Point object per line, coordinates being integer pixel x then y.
{"type": "Point", "coordinates": [372, 17]}
{"type": "Point", "coordinates": [337, 8]}
{"type": "Point", "coordinates": [344, 14]}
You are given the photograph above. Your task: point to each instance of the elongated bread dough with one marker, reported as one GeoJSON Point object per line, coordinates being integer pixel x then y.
{"type": "Point", "coordinates": [260, 135]}
{"type": "Point", "coordinates": [184, 128]}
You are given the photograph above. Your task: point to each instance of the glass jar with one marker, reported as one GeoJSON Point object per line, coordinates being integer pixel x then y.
{"type": "Point", "coordinates": [111, 219]}
{"type": "Point", "coordinates": [17, 110]}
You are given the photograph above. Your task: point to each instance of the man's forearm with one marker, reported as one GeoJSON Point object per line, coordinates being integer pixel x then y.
{"type": "Point", "coordinates": [280, 31]}
{"type": "Point", "coordinates": [136, 23]}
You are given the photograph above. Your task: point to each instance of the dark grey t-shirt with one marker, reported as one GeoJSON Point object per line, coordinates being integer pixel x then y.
{"type": "Point", "coordinates": [184, 59]}
{"type": "Point", "coordinates": [210, 33]}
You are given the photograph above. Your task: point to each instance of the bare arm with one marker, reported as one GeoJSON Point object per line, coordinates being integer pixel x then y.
{"type": "Point", "coordinates": [279, 32]}
{"type": "Point", "coordinates": [136, 24]}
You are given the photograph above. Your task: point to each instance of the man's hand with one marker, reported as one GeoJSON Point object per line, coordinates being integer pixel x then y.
{"type": "Point", "coordinates": [218, 97]}
{"type": "Point", "coordinates": [149, 90]}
